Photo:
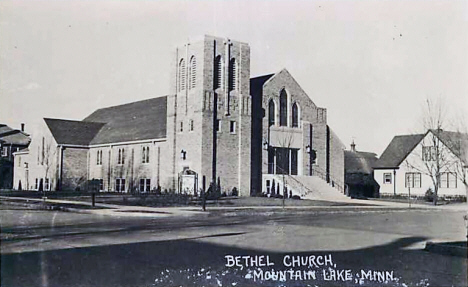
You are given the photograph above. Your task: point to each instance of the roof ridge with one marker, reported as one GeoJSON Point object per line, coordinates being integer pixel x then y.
{"type": "Point", "coordinates": [130, 103]}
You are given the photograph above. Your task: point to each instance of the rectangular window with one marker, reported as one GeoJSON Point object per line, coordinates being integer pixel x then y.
{"type": "Point", "coordinates": [145, 154]}
{"type": "Point", "coordinates": [294, 161]}
{"type": "Point", "coordinates": [181, 126]}
{"type": "Point", "coordinates": [37, 184]}
{"type": "Point", "coordinates": [232, 127]}
{"type": "Point", "coordinates": [120, 184]}
{"type": "Point", "coordinates": [46, 184]}
{"type": "Point", "coordinates": [145, 185]}
{"type": "Point", "coordinates": [429, 153]}
{"type": "Point", "coordinates": [282, 161]}
{"type": "Point", "coordinates": [271, 160]}
{"type": "Point", "coordinates": [387, 178]}
{"type": "Point", "coordinates": [101, 184]}
{"type": "Point", "coordinates": [413, 179]}
{"type": "Point", "coordinates": [448, 180]}
{"type": "Point", "coordinates": [452, 180]}
{"type": "Point", "coordinates": [148, 185]}
{"type": "Point", "coordinates": [218, 125]}
{"type": "Point", "coordinates": [268, 186]}
{"type": "Point", "coordinates": [19, 161]}
{"type": "Point", "coordinates": [191, 125]}
{"type": "Point", "coordinates": [5, 151]}
{"type": "Point", "coordinates": [99, 157]}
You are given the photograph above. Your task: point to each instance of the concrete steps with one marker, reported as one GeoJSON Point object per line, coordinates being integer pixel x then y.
{"type": "Point", "coordinates": [311, 187]}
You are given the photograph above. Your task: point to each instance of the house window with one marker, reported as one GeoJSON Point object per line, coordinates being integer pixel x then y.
{"type": "Point", "coordinates": [121, 158]}
{"type": "Point", "coordinates": [268, 186]}
{"type": "Point", "coordinates": [232, 75]}
{"type": "Point", "coordinates": [37, 184]}
{"type": "Point", "coordinates": [387, 178]}
{"type": "Point", "coordinates": [5, 151]}
{"type": "Point", "coordinates": [191, 125]}
{"type": "Point", "coordinates": [429, 153]}
{"type": "Point", "coordinates": [232, 127]}
{"type": "Point", "coordinates": [181, 126]}
{"type": "Point", "coordinates": [283, 108]}
{"type": "Point", "coordinates": [119, 184]}
{"type": "Point", "coordinates": [192, 72]}
{"type": "Point", "coordinates": [101, 184]}
{"type": "Point", "coordinates": [413, 179]}
{"type": "Point", "coordinates": [145, 154]}
{"type": "Point", "coordinates": [19, 161]}
{"type": "Point", "coordinates": [295, 115]}
{"type": "Point", "coordinates": [448, 180]}
{"type": "Point", "coordinates": [218, 73]}
{"type": "Point", "coordinates": [182, 75]}
{"type": "Point", "coordinates": [145, 185]}
{"type": "Point", "coordinates": [218, 125]}
{"type": "Point", "coordinates": [271, 113]}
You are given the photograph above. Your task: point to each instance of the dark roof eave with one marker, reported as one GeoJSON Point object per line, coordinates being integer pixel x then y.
{"type": "Point", "coordinates": [387, 167]}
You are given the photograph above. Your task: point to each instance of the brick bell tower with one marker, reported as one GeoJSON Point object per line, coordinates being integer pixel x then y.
{"type": "Point", "coordinates": [209, 112]}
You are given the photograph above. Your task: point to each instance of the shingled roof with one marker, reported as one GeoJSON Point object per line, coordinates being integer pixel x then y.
{"type": "Point", "coordinates": [398, 150]}
{"type": "Point", "coordinates": [401, 146]}
{"type": "Point", "coordinates": [359, 162]}
{"type": "Point", "coordinates": [130, 122]}
{"type": "Point", "coordinates": [73, 132]}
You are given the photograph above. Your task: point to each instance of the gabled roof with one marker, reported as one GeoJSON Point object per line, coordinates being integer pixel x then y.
{"type": "Point", "coordinates": [401, 146]}
{"type": "Point", "coordinates": [256, 84]}
{"type": "Point", "coordinates": [130, 122]}
{"type": "Point", "coordinates": [398, 149]}
{"type": "Point", "coordinates": [359, 162]}
{"type": "Point", "coordinates": [457, 143]}
{"type": "Point", "coordinates": [73, 132]}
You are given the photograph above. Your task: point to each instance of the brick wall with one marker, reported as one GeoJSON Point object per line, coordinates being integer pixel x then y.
{"type": "Point", "coordinates": [75, 173]}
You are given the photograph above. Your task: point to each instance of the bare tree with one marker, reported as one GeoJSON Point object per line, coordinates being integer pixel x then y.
{"type": "Point", "coordinates": [48, 153]}
{"type": "Point", "coordinates": [285, 139]}
{"type": "Point", "coordinates": [436, 152]}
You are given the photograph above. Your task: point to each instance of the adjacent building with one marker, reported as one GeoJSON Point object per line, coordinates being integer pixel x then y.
{"type": "Point", "coordinates": [359, 173]}
{"type": "Point", "coordinates": [414, 164]}
{"type": "Point", "coordinates": [11, 140]}
{"type": "Point", "coordinates": [216, 125]}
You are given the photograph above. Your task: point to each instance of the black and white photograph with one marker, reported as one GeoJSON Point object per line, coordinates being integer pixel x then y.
{"type": "Point", "coordinates": [215, 143]}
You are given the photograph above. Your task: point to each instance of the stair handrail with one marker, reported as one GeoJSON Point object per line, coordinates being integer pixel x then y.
{"type": "Point", "coordinates": [289, 176]}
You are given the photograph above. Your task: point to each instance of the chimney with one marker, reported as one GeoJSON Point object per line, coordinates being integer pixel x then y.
{"type": "Point", "coordinates": [353, 146]}
{"type": "Point", "coordinates": [22, 127]}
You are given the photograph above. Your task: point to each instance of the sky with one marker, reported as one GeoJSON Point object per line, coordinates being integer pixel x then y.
{"type": "Point", "coordinates": [372, 64]}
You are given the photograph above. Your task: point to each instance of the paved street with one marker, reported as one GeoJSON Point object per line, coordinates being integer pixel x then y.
{"type": "Point", "coordinates": [55, 248]}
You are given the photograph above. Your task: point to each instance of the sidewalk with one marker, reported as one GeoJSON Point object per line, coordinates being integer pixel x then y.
{"type": "Point", "coordinates": [145, 211]}
{"type": "Point", "coordinates": [111, 209]}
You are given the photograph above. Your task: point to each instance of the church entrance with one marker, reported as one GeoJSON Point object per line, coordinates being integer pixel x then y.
{"type": "Point", "coordinates": [188, 182]}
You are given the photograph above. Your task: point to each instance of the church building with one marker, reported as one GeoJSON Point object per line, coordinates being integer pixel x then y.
{"type": "Point", "coordinates": [216, 125]}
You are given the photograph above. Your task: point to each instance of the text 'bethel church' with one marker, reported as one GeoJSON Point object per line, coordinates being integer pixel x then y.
{"type": "Point", "coordinates": [217, 122]}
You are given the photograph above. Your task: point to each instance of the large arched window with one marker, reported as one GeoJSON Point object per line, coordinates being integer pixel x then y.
{"type": "Point", "coordinates": [192, 73]}
{"type": "Point", "coordinates": [182, 75]}
{"type": "Point", "coordinates": [218, 73]}
{"type": "Point", "coordinates": [295, 115]}
{"type": "Point", "coordinates": [283, 120]}
{"type": "Point", "coordinates": [232, 75]}
{"type": "Point", "coordinates": [271, 113]}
